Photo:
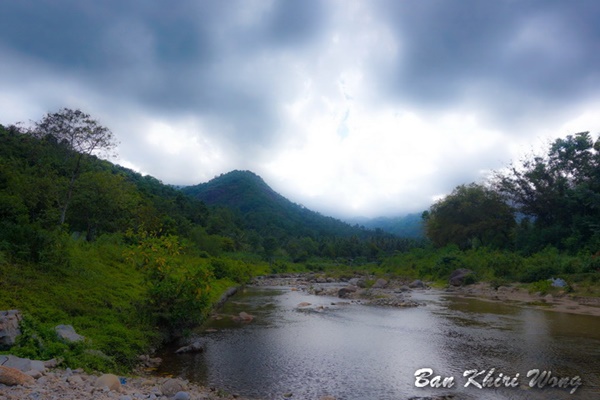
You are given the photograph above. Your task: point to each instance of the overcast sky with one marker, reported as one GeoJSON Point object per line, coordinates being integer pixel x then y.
{"type": "Point", "coordinates": [347, 107]}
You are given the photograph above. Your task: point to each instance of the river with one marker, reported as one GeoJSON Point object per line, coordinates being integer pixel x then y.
{"type": "Point", "coordinates": [353, 351]}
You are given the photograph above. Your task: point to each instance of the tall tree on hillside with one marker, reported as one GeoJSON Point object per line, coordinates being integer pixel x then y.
{"type": "Point", "coordinates": [81, 136]}
{"type": "Point", "coordinates": [471, 215]}
{"type": "Point", "coordinates": [559, 191]}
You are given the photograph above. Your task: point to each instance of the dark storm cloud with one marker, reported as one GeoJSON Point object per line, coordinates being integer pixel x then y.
{"type": "Point", "coordinates": [178, 58]}
{"type": "Point", "coordinates": [499, 54]}
{"type": "Point", "coordinates": [245, 84]}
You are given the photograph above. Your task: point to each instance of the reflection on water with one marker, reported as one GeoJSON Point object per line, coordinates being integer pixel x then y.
{"type": "Point", "coordinates": [361, 352]}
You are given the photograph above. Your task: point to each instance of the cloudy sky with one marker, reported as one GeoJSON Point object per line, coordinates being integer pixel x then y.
{"type": "Point", "coordinates": [347, 107]}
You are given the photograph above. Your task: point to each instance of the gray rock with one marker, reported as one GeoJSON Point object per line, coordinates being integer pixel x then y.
{"type": "Point", "coordinates": [346, 292]}
{"type": "Point", "coordinates": [34, 374]}
{"type": "Point", "coordinates": [9, 327]}
{"type": "Point", "coordinates": [181, 396]}
{"type": "Point", "coordinates": [75, 380]}
{"type": "Point", "coordinates": [417, 284]}
{"type": "Point", "coordinates": [196, 347]}
{"type": "Point", "coordinates": [458, 277]}
{"type": "Point", "coordinates": [380, 283]}
{"type": "Point", "coordinates": [171, 386]}
{"type": "Point", "coordinates": [67, 333]}
{"type": "Point", "coordinates": [52, 363]}
{"type": "Point", "coordinates": [22, 364]}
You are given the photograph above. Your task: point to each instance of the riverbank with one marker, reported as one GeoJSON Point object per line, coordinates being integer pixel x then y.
{"type": "Point", "coordinates": [78, 385]}
{"type": "Point", "coordinates": [378, 290]}
{"type": "Point", "coordinates": [522, 297]}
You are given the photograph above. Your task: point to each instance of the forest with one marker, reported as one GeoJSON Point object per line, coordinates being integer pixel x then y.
{"type": "Point", "coordinates": [132, 262]}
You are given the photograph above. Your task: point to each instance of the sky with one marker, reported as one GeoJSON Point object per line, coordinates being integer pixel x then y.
{"type": "Point", "coordinates": [350, 108]}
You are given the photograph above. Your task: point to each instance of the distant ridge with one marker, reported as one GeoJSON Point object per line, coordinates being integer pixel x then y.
{"type": "Point", "coordinates": [409, 226]}
{"type": "Point", "coordinates": [266, 211]}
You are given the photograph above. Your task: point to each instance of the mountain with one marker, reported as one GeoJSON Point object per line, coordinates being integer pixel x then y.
{"type": "Point", "coordinates": [409, 226]}
{"type": "Point", "coordinates": [266, 211]}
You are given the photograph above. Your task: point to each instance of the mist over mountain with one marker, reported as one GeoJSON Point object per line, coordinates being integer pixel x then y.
{"type": "Point", "coordinates": [410, 225]}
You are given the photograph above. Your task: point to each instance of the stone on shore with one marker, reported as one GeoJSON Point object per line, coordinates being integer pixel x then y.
{"type": "Point", "coordinates": [173, 386]}
{"type": "Point", "coordinates": [11, 377]}
{"type": "Point", "coordinates": [380, 284]}
{"type": "Point", "coordinates": [109, 380]}
{"type": "Point", "coordinates": [417, 284]}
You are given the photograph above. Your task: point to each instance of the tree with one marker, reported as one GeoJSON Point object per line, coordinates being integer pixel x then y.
{"type": "Point", "coordinates": [81, 136]}
{"type": "Point", "coordinates": [559, 192]}
{"type": "Point", "coordinates": [471, 215]}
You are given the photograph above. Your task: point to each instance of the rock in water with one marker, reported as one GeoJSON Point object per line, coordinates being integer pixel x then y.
{"type": "Point", "coordinates": [196, 347]}
{"type": "Point", "coordinates": [109, 380]}
{"type": "Point", "coordinates": [12, 377]}
{"type": "Point", "coordinates": [245, 317]}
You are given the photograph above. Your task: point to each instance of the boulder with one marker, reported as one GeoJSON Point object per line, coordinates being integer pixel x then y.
{"type": "Point", "coordinates": [196, 347]}
{"type": "Point", "coordinates": [67, 333]}
{"type": "Point", "coordinates": [417, 284]}
{"type": "Point", "coordinates": [461, 277]}
{"type": "Point", "coordinates": [9, 327]}
{"type": "Point", "coordinates": [172, 386]}
{"type": "Point", "coordinates": [347, 292]}
{"type": "Point", "coordinates": [22, 364]}
{"type": "Point", "coordinates": [182, 396]}
{"type": "Point", "coordinates": [12, 377]}
{"type": "Point", "coordinates": [303, 304]}
{"type": "Point", "coordinates": [109, 380]}
{"type": "Point", "coordinates": [380, 283]}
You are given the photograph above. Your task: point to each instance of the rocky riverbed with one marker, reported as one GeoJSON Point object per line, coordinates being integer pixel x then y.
{"type": "Point", "coordinates": [357, 289]}
{"type": "Point", "coordinates": [369, 290]}
{"type": "Point", "coordinates": [42, 383]}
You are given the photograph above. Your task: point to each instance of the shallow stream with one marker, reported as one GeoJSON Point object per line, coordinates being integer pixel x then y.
{"type": "Point", "coordinates": [353, 351]}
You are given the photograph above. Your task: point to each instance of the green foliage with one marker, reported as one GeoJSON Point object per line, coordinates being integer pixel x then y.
{"type": "Point", "coordinates": [178, 288]}
{"type": "Point", "coordinates": [559, 192]}
{"type": "Point", "coordinates": [471, 216]}
{"type": "Point", "coordinates": [39, 342]}
{"type": "Point", "coordinates": [542, 286]}
{"type": "Point", "coordinates": [236, 270]}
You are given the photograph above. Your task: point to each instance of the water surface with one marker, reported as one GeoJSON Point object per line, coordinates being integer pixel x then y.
{"type": "Point", "coordinates": [356, 351]}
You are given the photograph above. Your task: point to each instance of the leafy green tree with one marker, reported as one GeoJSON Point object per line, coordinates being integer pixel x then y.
{"type": "Point", "coordinates": [470, 216]}
{"type": "Point", "coordinates": [559, 192]}
{"type": "Point", "coordinates": [103, 202]}
{"type": "Point", "coordinates": [80, 136]}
